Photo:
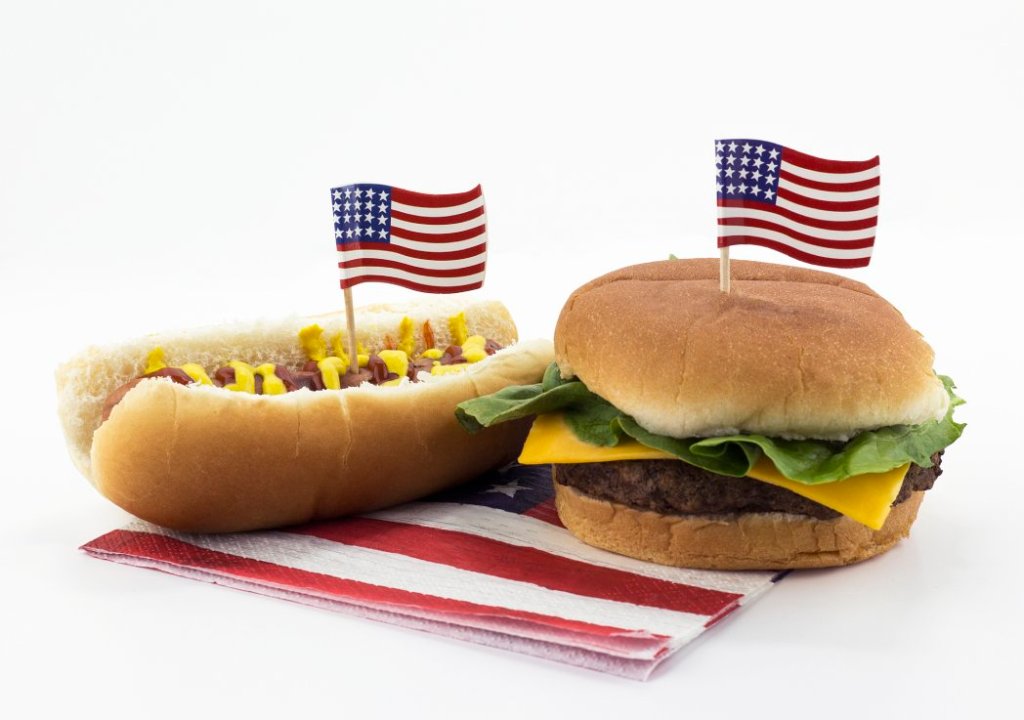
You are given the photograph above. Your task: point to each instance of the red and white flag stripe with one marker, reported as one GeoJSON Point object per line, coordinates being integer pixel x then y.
{"type": "Point", "coordinates": [433, 243]}
{"type": "Point", "coordinates": [823, 212]}
{"type": "Point", "coordinates": [531, 531]}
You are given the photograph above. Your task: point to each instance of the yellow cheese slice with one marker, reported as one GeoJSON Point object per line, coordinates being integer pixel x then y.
{"type": "Point", "coordinates": [864, 498]}
{"type": "Point", "coordinates": [551, 441]}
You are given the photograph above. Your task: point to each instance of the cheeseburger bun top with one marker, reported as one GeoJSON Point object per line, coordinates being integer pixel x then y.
{"type": "Point", "coordinates": [790, 352]}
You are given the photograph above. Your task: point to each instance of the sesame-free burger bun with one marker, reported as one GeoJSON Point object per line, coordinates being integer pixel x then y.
{"type": "Point", "coordinates": [790, 352]}
{"type": "Point", "coordinates": [743, 541]}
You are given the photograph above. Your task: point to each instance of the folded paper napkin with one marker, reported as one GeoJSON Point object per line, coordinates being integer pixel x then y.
{"type": "Point", "coordinates": [488, 562]}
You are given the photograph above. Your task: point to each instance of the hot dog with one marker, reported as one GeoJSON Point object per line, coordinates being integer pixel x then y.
{"type": "Point", "coordinates": [245, 427]}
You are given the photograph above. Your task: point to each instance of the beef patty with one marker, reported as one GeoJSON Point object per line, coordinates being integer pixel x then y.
{"type": "Point", "coordinates": [672, 487]}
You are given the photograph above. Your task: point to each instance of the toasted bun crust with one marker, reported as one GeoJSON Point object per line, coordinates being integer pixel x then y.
{"type": "Point", "coordinates": [204, 459]}
{"type": "Point", "coordinates": [790, 352]}
{"type": "Point", "coordinates": [753, 541]}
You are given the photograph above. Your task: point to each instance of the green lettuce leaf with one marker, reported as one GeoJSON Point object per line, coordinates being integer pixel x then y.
{"type": "Point", "coordinates": [596, 421]}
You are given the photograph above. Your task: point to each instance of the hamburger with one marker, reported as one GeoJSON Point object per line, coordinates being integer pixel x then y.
{"type": "Point", "coordinates": [795, 422]}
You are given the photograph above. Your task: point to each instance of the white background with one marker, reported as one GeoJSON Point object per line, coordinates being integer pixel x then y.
{"type": "Point", "coordinates": [163, 165]}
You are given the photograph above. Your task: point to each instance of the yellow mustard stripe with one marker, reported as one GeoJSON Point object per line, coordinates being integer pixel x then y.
{"type": "Point", "coordinates": [272, 384]}
{"type": "Point", "coordinates": [331, 369]}
{"type": "Point", "coordinates": [311, 338]}
{"type": "Point", "coordinates": [406, 341]}
{"type": "Point", "coordinates": [457, 328]}
{"type": "Point", "coordinates": [197, 373]}
{"type": "Point", "coordinates": [339, 351]}
{"type": "Point", "coordinates": [155, 360]}
{"type": "Point", "coordinates": [396, 360]}
{"type": "Point", "coordinates": [245, 377]}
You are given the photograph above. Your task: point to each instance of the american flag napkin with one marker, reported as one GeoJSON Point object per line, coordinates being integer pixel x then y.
{"type": "Point", "coordinates": [488, 562]}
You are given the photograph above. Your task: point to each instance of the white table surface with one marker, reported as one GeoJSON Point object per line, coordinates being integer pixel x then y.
{"type": "Point", "coordinates": [162, 167]}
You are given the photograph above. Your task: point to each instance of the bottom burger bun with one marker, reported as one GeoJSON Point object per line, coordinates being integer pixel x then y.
{"type": "Point", "coordinates": [744, 541]}
{"type": "Point", "coordinates": [206, 459]}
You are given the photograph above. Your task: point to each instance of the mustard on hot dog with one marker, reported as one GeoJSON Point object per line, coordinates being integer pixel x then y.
{"type": "Point", "coordinates": [325, 371]}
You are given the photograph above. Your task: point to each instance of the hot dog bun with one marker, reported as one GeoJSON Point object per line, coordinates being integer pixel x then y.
{"type": "Point", "coordinates": [205, 459]}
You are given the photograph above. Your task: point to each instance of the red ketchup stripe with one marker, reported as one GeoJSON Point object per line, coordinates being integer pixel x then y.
{"type": "Point", "coordinates": [523, 564]}
{"type": "Point", "coordinates": [170, 550]}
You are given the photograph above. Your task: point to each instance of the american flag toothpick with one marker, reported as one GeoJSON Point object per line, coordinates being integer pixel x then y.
{"type": "Point", "coordinates": [429, 243]}
{"type": "Point", "coordinates": [822, 212]}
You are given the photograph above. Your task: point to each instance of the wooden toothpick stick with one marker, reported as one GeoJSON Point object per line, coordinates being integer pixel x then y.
{"type": "Point", "coordinates": [724, 283]}
{"type": "Point", "coordinates": [350, 321]}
